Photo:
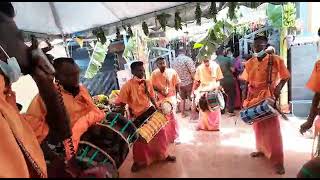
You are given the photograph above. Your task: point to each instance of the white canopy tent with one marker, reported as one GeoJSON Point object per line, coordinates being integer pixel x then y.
{"type": "Point", "coordinates": [55, 18]}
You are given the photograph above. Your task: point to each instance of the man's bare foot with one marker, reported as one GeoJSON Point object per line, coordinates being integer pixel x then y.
{"type": "Point", "coordinates": [171, 158]}
{"type": "Point", "coordinates": [135, 167]}
{"type": "Point", "coordinates": [257, 154]}
{"type": "Point", "coordinates": [280, 169]}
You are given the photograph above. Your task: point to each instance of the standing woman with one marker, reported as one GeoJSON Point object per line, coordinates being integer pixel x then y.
{"type": "Point", "coordinates": [207, 78]}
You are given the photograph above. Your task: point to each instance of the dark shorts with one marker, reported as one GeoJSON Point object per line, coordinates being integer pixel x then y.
{"type": "Point", "coordinates": [185, 91]}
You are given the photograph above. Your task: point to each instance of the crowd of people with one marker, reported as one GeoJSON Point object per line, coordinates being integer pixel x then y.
{"type": "Point", "coordinates": [63, 110]}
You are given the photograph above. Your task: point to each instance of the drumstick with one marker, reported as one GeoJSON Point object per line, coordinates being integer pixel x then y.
{"type": "Point", "coordinates": [279, 111]}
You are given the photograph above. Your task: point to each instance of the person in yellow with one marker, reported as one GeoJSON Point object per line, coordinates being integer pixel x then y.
{"type": "Point", "coordinates": [207, 78]}
{"type": "Point", "coordinates": [165, 82]}
{"type": "Point", "coordinates": [78, 102]}
{"type": "Point", "coordinates": [21, 155]}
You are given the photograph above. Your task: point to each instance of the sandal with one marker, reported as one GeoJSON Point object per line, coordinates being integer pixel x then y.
{"type": "Point", "coordinates": [257, 154]}
{"type": "Point", "coordinates": [135, 167]}
{"type": "Point", "coordinates": [171, 158]}
{"type": "Point", "coordinates": [280, 169]}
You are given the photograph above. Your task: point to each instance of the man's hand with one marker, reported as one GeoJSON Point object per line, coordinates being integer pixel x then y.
{"type": "Point", "coordinates": [305, 126]}
{"type": "Point", "coordinates": [277, 92]}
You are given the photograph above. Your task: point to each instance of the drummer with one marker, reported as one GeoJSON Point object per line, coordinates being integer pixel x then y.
{"type": "Point", "coordinates": [133, 93]}
{"type": "Point", "coordinates": [166, 82]}
{"type": "Point", "coordinates": [79, 105]}
{"type": "Point", "coordinates": [207, 78]}
{"type": "Point", "coordinates": [267, 132]}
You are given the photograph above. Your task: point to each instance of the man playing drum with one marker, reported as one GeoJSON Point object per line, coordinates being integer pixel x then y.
{"type": "Point", "coordinates": [207, 78]}
{"type": "Point", "coordinates": [267, 132]}
{"type": "Point", "coordinates": [165, 82]}
{"type": "Point", "coordinates": [134, 94]}
{"type": "Point", "coordinates": [79, 105]}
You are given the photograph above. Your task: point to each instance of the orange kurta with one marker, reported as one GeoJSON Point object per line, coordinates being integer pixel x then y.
{"type": "Point", "coordinates": [256, 74]}
{"type": "Point", "coordinates": [81, 109]}
{"type": "Point", "coordinates": [314, 85]}
{"type": "Point", "coordinates": [267, 133]}
{"type": "Point", "coordinates": [133, 94]}
{"type": "Point", "coordinates": [208, 77]}
{"type": "Point", "coordinates": [14, 130]}
{"type": "Point", "coordinates": [169, 78]}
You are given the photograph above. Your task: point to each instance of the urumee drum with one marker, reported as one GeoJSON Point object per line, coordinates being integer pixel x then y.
{"type": "Point", "coordinates": [150, 123]}
{"type": "Point", "coordinates": [259, 112]}
{"type": "Point", "coordinates": [210, 100]}
{"type": "Point", "coordinates": [111, 139]}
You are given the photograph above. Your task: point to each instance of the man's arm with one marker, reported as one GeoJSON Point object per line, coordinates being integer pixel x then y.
{"type": "Point", "coordinates": [314, 111]}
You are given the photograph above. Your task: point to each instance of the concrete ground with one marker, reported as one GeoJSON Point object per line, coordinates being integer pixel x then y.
{"type": "Point", "coordinates": [226, 153]}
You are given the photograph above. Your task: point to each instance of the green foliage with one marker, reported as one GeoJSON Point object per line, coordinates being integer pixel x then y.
{"type": "Point", "coordinates": [97, 59]}
{"type": "Point", "coordinates": [99, 33]}
{"type": "Point", "coordinates": [198, 14]}
{"type": "Point", "coordinates": [177, 21]}
{"type": "Point", "coordinates": [213, 11]}
{"type": "Point", "coordinates": [289, 15]}
{"type": "Point", "coordinates": [232, 10]}
{"type": "Point", "coordinates": [145, 28]}
{"type": "Point", "coordinates": [118, 33]}
{"type": "Point", "coordinates": [131, 48]}
{"type": "Point", "coordinates": [129, 31]}
{"type": "Point", "coordinates": [163, 20]}
{"type": "Point", "coordinates": [219, 34]}
{"type": "Point", "coordinates": [274, 13]}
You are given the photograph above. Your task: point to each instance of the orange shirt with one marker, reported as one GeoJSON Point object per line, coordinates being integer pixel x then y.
{"type": "Point", "coordinates": [14, 130]}
{"type": "Point", "coordinates": [314, 82]}
{"type": "Point", "coordinates": [133, 94]}
{"type": "Point", "coordinates": [169, 78]}
{"type": "Point", "coordinates": [256, 74]}
{"type": "Point", "coordinates": [208, 75]}
{"type": "Point", "coordinates": [81, 110]}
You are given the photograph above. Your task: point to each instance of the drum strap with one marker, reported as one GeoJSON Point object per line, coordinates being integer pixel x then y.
{"type": "Point", "coordinates": [148, 94]}
{"type": "Point", "coordinates": [269, 82]}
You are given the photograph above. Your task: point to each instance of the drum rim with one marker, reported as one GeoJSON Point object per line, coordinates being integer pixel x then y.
{"type": "Point", "coordinates": [101, 150]}
{"type": "Point", "coordinates": [119, 133]}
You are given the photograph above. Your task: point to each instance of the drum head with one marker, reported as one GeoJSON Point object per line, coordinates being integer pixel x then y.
{"type": "Point", "coordinates": [166, 107]}
{"type": "Point", "coordinates": [221, 100]}
{"type": "Point", "coordinates": [109, 140]}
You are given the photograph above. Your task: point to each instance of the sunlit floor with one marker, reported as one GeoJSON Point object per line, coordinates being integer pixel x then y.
{"type": "Point", "coordinates": [225, 153]}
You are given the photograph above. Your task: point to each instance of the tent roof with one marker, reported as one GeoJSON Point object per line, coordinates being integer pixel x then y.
{"type": "Point", "coordinates": [70, 17]}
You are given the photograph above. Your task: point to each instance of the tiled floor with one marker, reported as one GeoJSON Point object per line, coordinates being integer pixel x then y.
{"type": "Point", "coordinates": [225, 153]}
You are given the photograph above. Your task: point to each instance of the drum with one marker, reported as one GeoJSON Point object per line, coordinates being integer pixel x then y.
{"type": "Point", "coordinates": [150, 123]}
{"type": "Point", "coordinates": [166, 107]}
{"type": "Point", "coordinates": [211, 100]}
{"type": "Point", "coordinates": [112, 138]}
{"type": "Point", "coordinates": [261, 111]}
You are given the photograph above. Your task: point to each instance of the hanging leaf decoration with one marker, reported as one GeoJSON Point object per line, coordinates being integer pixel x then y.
{"type": "Point", "coordinates": [254, 4]}
{"type": "Point", "coordinates": [177, 21]}
{"type": "Point", "coordinates": [213, 11]}
{"type": "Point", "coordinates": [99, 33]}
{"type": "Point", "coordinates": [129, 31]}
{"type": "Point", "coordinates": [145, 28]}
{"type": "Point", "coordinates": [124, 27]}
{"type": "Point", "coordinates": [118, 33]}
{"type": "Point", "coordinates": [198, 14]}
{"type": "Point", "coordinates": [232, 9]}
{"type": "Point", "coordinates": [163, 20]}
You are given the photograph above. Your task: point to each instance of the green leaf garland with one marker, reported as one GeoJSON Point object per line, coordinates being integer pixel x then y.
{"type": "Point", "coordinates": [213, 11]}
{"type": "Point", "coordinates": [129, 31]}
{"type": "Point", "coordinates": [198, 14]}
{"type": "Point", "coordinates": [99, 33]}
{"type": "Point", "coordinates": [163, 20]}
{"type": "Point", "coordinates": [145, 28]}
{"type": "Point", "coordinates": [177, 21]}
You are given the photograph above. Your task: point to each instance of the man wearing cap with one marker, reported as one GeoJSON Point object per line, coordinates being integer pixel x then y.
{"type": "Point", "coordinates": [134, 94]}
{"type": "Point", "coordinates": [207, 78]}
{"type": "Point", "coordinates": [267, 133]}
{"type": "Point", "coordinates": [186, 69]}
{"type": "Point", "coordinates": [166, 82]}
